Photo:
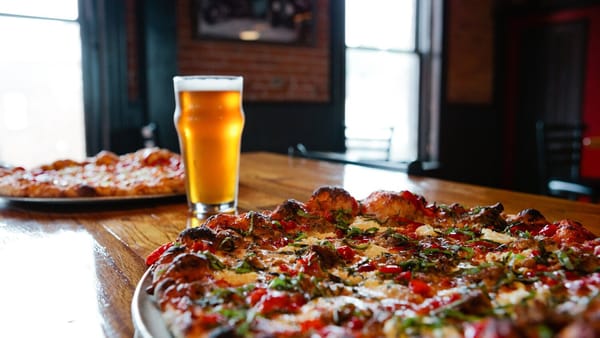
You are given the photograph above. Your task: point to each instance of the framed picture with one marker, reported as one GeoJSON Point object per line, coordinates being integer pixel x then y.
{"type": "Point", "coordinates": [271, 21]}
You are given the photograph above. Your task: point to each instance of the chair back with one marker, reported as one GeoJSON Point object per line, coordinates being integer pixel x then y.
{"type": "Point", "coordinates": [559, 151]}
{"type": "Point", "coordinates": [369, 143]}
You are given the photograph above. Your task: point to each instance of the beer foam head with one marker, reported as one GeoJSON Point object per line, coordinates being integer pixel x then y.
{"type": "Point", "coordinates": [207, 83]}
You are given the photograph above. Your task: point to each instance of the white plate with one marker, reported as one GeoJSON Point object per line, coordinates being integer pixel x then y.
{"type": "Point", "coordinates": [95, 199]}
{"type": "Point", "coordinates": [145, 314]}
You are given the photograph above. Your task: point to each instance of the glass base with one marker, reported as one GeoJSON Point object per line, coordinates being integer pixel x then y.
{"type": "Point", "coordinates": [202, 209]}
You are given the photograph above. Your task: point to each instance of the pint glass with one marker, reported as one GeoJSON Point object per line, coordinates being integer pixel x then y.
{"type": "Point", "coordinates": [209, 120]}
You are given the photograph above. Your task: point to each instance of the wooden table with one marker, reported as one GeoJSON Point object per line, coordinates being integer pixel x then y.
{"type": "Point", "coordinates": [71, 270]}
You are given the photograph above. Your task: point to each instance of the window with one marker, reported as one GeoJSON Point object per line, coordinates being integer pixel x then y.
{"type": "Point", "coordinates": [41, 95]}
{"type": "Point", "coordinates": [387, 47]}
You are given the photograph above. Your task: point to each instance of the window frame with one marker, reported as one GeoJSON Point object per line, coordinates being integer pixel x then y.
{"type": "Point", "coordinates": [428, 51]}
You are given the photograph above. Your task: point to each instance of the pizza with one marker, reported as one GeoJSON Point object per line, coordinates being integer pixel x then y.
{"type": "Point", "coordinates": [390, 265]}
{"type": "Point", "coordinates": [149, 171]}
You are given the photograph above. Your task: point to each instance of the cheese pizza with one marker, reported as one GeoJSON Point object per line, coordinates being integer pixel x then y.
{"type": "Point", "coordinates": [390, 265]}
{"type": "Point", "coordinates": [149, 171]}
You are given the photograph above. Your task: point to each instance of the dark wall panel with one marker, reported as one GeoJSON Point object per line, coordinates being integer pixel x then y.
{"type": "Point", "coordinates": [470, 144]}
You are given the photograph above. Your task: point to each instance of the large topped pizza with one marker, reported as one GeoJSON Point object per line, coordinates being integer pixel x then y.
{"type": "Point", "coordinates": [390, 265]}
{"type": "Point", "coordinates": [149, 171]}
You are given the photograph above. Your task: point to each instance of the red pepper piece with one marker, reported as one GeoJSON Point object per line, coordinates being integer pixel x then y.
{"type": "Point", "coordinates": [199, 246]}
{"type": "Point", "coordinates": [282, 302]}
{"type": "Point", "coordinates": [288, 225]}
{"type": "Point", "coordinates": [420, 287]}
{"type": "Point", "coordinates": [404, 276]}
{"type": "Point", "coordinates": [312, 324]}
{"type": "Point", "coordinates": [549, 230]}
{"type": "Point", "coordinates": [155, 255]}
{"type": "Point", "coordinates": [288, 269]}
{"type": "Point", "coordinates": [356, 323]}
{"type": "Point", "coordinates": [210, 319]}
{"type": "Point", "coordinates": [367, 267]}
{"type": "Point", "coordinates": [346, 252]}
{"type": "Point", "coordinates": [390, 268]}
{"type": "Point", "coordinates": [255, 296]}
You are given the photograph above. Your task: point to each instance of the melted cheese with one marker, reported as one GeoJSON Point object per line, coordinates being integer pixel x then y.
{"type": "Point", "coordinates": [492, 257]}
{"type": "Point", "coordinates": [234, 278]}
{"type": "Point", "coordinates": [347, 278]}
{"type": "Point", "coordinates": [426, 230]}
{"type": "Point", "coordinates": [313, 310]}
{"type": "Point", "coordinates": [494, 236]}
{"type": "Point", "coordinates": [512, 297]}
{"type": "Point", "coordinates": [364, 224]}
{"type": "Point", "coordinates": [374, 251]}
{"type": "Point", "coordinates": [314, 238]}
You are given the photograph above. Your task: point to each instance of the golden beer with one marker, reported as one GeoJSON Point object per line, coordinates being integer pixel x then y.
{"type": "Point", "coordinates": [209, 120]}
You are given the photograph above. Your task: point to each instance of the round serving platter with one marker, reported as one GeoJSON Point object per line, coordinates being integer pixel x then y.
{"type": "Point", "coordinates": [87, 200]}
{"type": "Point", "coordinates": [146, 317]}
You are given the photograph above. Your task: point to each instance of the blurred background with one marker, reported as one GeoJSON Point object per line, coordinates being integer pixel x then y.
{"type": "Point", "coordinates": [461, 84]}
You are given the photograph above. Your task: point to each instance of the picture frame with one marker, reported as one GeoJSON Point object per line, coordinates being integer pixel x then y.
{"type": "Point", "coordinates": [264, 21]}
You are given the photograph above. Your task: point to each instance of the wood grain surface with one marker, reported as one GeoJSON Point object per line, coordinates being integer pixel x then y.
{"type": "Point", "coordinates": [71, 270]}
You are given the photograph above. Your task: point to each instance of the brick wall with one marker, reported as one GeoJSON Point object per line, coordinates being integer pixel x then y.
{"type": "Point", "coordinates": [271, 72]}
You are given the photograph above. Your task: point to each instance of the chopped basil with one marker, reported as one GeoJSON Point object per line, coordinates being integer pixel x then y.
{"type": "Point", "coordinates": [216, 297]}
{"type": "Point", "coordinates": [354, 245]}
{"type": "Point", "coordinates": [300, 236]}
{"type": "Point", "coordinates": [542, 257]}
{"type": "Point", "coordinates": [462, 231]}
{"type": "Point", "coordinates": [341, 219]}
{"type": "Point", "coordinates": [476, 210]}
{"type": "Point", "coordinates": [244, 328]}
{"type": "Point", "coordinates": [327, 244]}
{"type": "Point", "coordinates": [303, 213]}
{"type": "Point", "coordinates": [524, 234]}
{"type": "Point", "coordinates": [243, 267]}
{"type": "Point", "coordinates": [399, 238]}
{"type": "Point", "coordinates": [277, 224]}
{"type": "Point", "coordinates": [241, 316]}
{"type": "Point", "coordinates": [227, 244]}
{"type": "Point", "coordinates": [285, 283]}
{"type": "Point", "coordinates": [353, 231]}
{"type": "Point", "coordinates": [432, 251]}
{"type": "Point", "coordinates": [470, 252]}
{"type": "Point", "coordinates": [544, 332]}
{"type": "Point", "coordinates": [418, 265]}
{"type": "Point", "coordinates": [564, 259]}
{"type": "Point", "coordinates": [342, 226]}
{"type": "Point", "coordinates": [235, 314]}
{"type": "Point", "coordinates": [213, 261]}
{"type": "Point", "coordinates": [412, 326]}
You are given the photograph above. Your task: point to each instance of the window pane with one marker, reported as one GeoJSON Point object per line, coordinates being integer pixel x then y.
{"type": "Point", "coordinates": [382, 24]}
{"type": "Point", "coordinates": [59, 9]}
{"type": "Point", "coordinates": [41, 96]}
{"type": "Point", "coordinates": [382, 91]}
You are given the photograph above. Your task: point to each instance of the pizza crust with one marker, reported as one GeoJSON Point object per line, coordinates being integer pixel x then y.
{"type": "Point", "coordinates": [150, 171]}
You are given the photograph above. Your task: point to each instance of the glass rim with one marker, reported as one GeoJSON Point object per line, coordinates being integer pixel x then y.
{"type": "Point", "coordinates": [208, 82]}
{"type": "Point", "coordinates": [206, 77]}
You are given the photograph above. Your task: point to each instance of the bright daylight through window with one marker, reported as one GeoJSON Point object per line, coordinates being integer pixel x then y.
{"type": "Point", "coordinates": [382, 76]}
{"type": "Point", "coordinates": [41, 95]}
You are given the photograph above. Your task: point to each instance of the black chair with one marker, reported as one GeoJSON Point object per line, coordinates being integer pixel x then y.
{"type": "Point", "coordinates": [559, 162]}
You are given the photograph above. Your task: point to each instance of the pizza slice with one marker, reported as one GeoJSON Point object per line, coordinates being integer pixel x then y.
{"type": "Point", "coordinates": [149, 171]}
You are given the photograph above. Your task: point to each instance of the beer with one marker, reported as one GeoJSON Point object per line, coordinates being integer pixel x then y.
{"type": "Point", "coordinates": [209, 120]}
